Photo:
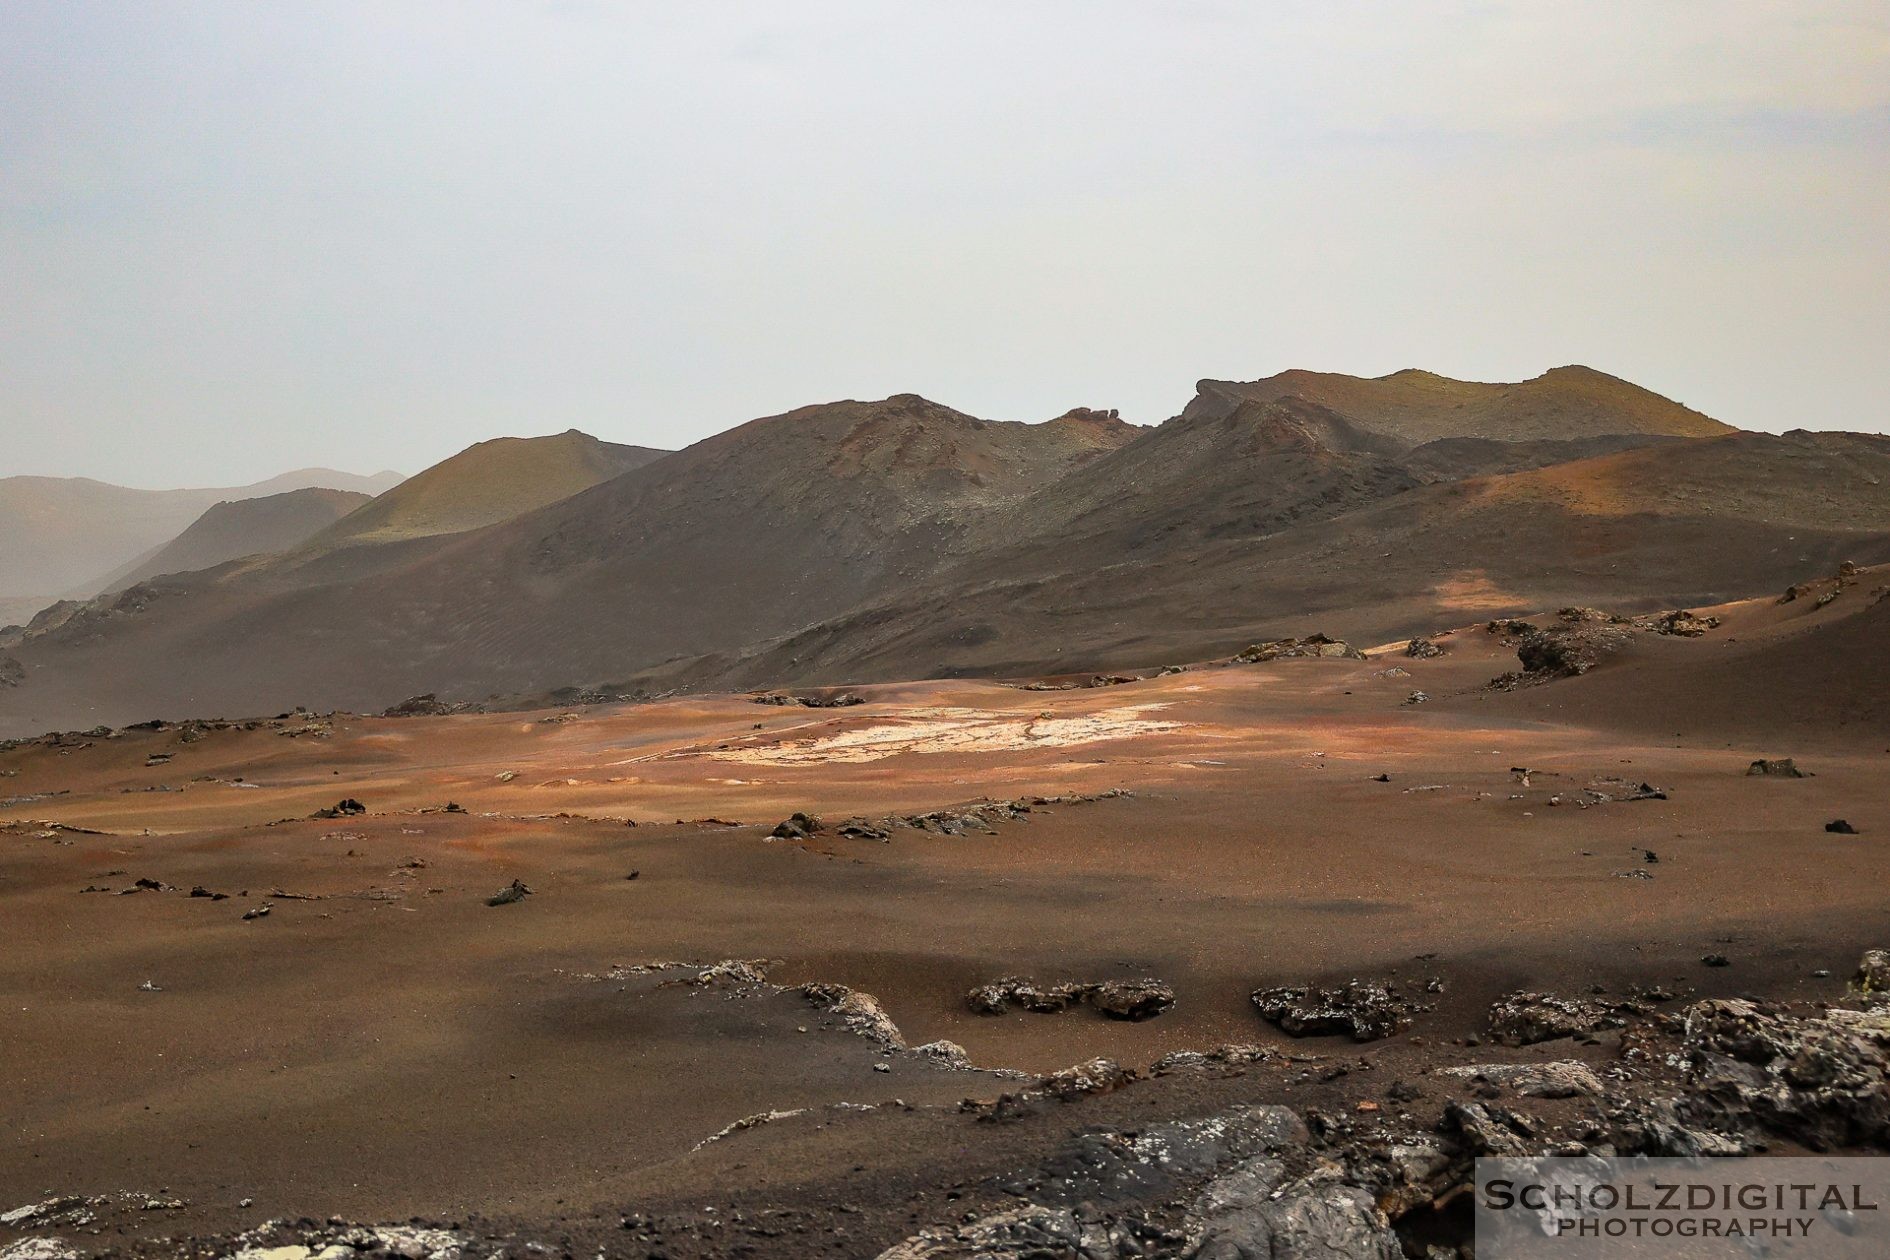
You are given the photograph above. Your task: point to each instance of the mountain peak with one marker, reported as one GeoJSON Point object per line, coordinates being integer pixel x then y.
{"type": "Point", "coordinates": [1415, 406]}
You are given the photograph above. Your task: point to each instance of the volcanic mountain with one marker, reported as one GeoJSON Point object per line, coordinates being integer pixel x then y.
{"type": "Point", "coordinates": [244, 527]}
{"type": "Point", "coordinates": [1414, 407]}
{"type": "Point", "coordinates": [747, 535]}
{"type": "Point", "coordinates": [1702, 521]}
{"type": "Point", "coordinates": [487, 483]}
{"type": "Point", "coordinates": [857, 541]}
{"type": "Point", "coordinates": [65, 534]}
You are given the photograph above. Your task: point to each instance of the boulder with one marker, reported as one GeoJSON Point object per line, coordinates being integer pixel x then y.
{"type": "Point", "coordinates": [1823, 1082]}
{"type": "Point", "coordinates": [1134, 1000]}
{"type": "Point", "coordinates": [1523, 1019]}
{"type": "Point", "coordinates": [1776, 767]}
{"type": "Point", "coordinates": [514, 891]}
{"type": "Point", "coordinates": [1679, 622]}
{"type": "Point", "coordinates": [1873, 972]}
{"type": "Point", "coordinates": [1363, 1011]}
{"type": "Point", "coordinates": [796, 826]}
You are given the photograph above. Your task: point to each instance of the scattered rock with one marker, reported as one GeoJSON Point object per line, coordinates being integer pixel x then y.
{"type": "Point", "coordinates": [258, 912]}
{"type": "Point", "coordinates": [1418, 697]}
{"type": "Point", "coordinates": [1422, 649]}
{"type": "Point", "coordinates": [1777, 767]}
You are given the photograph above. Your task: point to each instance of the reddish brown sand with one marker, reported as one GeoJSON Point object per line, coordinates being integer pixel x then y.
{"type": "Point", "coordinates": [394, 1046]}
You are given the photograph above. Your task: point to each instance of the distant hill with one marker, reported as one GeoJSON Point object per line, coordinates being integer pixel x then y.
{"type": "Point", "coordinates": [64, 535]}
{"type": "Point", "coordinates": [244, 527]}
{"type": "Point", "coordinates": [483, 484]}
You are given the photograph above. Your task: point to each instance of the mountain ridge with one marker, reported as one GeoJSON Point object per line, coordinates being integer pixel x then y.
{"type": "Point", "coordinates": [872, 540]}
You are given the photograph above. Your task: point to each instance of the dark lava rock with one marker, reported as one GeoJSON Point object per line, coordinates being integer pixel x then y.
{"type": "Point", "coordinates": [840, 700]}
{"type": "Point", "coordinates": [1131, 999]}
{"type": "Point", "coordinates": [797, 826]}
{"type": "Point", "coordinates": [1360, 1010]}
{"type": "Point", "coordinates": [1717, 960]}
{"type": "Point", "coordinates": [1311, 645]}
{"type": "Point", "coordinates": [1873, 972]}
{"type": "Point", "coordinates": [1566, 651]}
{"type": "Point", "coordinates": [341, 809]}
{"type": "Point", "coordinates": [1839, 827]}
{"type": "Point", "coordinates": [514, 891]}
{"type": "Point", "coordinates": [1823, 1082]}
{"type": "Point", "coordinates": [1679, 622]}
{"type": "Point", "coordinates": [1119, 999]}
{"type": "Point", "coordinates": [1523, 1019]}
{"type": "Point", "coordinates": [1117, 1167]}
{"type": "Point", "coordinates": [428, 705]}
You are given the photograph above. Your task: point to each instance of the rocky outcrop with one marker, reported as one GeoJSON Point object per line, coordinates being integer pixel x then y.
{"type": "Point", "coordinates": [1563, 1078]}
{"type": "Point", "coordinates": [1823, 1082]}
{"type": "Point", "coordinates": [1311, 645]}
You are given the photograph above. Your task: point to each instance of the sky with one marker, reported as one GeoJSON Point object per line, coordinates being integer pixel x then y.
{"type": "Point", "coordinates": [238, 238]}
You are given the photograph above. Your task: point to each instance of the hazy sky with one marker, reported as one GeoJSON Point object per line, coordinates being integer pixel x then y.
{"type": "Point", "coordinates": [240, 237]}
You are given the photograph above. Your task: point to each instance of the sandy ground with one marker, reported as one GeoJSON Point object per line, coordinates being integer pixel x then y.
{"type": "Point", "coordinates": [384, 1044]}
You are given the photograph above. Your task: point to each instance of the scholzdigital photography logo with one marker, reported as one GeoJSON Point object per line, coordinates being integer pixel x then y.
{"type": "Point", "coordinates": [1590, 1206]}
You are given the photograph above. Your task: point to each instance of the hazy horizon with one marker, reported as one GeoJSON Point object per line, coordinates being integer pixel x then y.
{"type": "Point", "coordinates": [240, 240]}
